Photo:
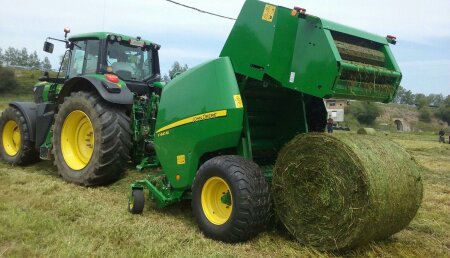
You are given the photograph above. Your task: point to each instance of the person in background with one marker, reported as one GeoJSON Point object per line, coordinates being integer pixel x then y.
{"type": "Point", "coordinates": [441, 136]}
{"type": "Point", "coordinates": [330, 123]}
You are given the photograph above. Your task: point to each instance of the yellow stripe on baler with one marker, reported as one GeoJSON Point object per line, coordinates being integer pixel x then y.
{"type": "Point", "coordinates": [193, 119]}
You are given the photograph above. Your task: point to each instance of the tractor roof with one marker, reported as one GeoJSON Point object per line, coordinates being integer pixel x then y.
{"type": "Point", "coordinates": [104, 35]}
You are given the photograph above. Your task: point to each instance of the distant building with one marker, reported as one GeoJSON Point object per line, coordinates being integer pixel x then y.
{"type": "Point", "coordinates": [335, 108]}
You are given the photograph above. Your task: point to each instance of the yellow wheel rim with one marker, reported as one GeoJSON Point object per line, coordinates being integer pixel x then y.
{"type": "Point", "coordinates": [131, 202]}
{"type": "Point", "coordinates": [217, 201]}
{"type": "Point", "coordinates": [77, 140]}
{"type": "Point", "coordinates": [11, 138]}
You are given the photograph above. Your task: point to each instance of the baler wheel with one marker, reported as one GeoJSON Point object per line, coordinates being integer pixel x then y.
{"type": "Point", "coordinates": [136, 202]}
{"type": "Point", "coordinates": [91, 140]}
{"type": "Point", "coordinates": [15, 145]}
{"type": "Point", "coordinates": [230, 199]}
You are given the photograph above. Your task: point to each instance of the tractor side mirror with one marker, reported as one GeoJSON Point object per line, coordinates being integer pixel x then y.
{"type": "Point", "coordinates": [48, 47]}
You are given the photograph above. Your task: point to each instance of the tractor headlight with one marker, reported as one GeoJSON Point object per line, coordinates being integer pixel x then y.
{"type": "Point", "coordinates": [112, 37]}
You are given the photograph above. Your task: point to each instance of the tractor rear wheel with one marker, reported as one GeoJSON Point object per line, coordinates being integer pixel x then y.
{"type": "Point", "coordinates": [230, 199]}
{"type": "Point", "coordinates": [91, 140]}
{"type": "Point", "coordinates": [15, 145]}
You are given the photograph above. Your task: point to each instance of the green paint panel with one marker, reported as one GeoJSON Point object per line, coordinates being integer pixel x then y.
{"type": "Point", "coordinates": [314, 63]}
{"type": "Point", "coordinates": [250, 42]}
{"type": "Point", "coordinates": [50, 91]}
{"type": "Point", "coordinates": [206, 88]}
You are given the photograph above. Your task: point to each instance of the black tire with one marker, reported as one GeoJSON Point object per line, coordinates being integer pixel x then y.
{"type": "Point", "coordinates": [26, 153]}
{"type": "Point", "coordinates": [112, 144]}
{"type": "Point", "coordinates": [137, 202]}
{"type": "Point", "coordinates": [250, 198]}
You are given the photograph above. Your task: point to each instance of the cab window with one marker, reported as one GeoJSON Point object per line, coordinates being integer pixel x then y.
{"type": "Point", "coordinates": [132, 63]}
{"type": "Point", "coordinates": [84, 58]}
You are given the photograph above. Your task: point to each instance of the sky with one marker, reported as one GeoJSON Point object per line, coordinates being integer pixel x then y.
{"type": "Point", "coordinates": [422, 29]}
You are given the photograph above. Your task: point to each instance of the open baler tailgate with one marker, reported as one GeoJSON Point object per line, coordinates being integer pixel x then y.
{"type": "Point", "coordinates": [311, 55]}
{"type": "Point", "coordinates": [366, 67]}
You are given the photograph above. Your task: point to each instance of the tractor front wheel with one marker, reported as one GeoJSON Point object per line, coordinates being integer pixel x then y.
{"type": "Point", "coordinates": [136, 202]}
{"type": "Point", "coordinates": [15, 145]}
{"type": "Point", "coordinates": [230, 199]}
{"type": "Point", "coordinates": [91, 140]}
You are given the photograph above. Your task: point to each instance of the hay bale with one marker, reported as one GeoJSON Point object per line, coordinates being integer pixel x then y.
{"type": "Point", "coordinates": [340, 191]}
{"type": "Point", "coordinates": [366, 131]}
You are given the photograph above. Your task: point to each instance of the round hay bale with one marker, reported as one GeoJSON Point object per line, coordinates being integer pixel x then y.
{"type": "Point", "coordinates": [340, 191]}
{"type": "Point", "coordinates": [367, 131]}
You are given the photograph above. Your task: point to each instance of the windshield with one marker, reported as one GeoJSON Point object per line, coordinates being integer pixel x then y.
{"type": "Point", "coordinates": [130, 63]}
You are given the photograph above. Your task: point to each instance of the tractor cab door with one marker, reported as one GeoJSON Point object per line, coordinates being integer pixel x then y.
{"type": "Point", "coordinates": [84, 58]}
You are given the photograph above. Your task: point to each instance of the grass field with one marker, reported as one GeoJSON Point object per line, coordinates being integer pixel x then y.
{"type": "Point", "coordinates": [7, 98]}
{"type": "Point", "coordinates": [40, 216]}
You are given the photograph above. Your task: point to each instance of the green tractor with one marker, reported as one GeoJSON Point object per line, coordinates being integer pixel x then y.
{"type": "Point", "coordinates": [215, 130]}
{"type": "Point", "coordinates": [84, 118]}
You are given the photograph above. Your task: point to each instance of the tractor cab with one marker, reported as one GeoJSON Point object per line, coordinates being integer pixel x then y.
{"type": "Point", "coordinates": [131, 59]}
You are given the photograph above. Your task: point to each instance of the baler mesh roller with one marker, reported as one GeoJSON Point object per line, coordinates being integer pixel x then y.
{"type": "Point", "coordinates": [355, 53]}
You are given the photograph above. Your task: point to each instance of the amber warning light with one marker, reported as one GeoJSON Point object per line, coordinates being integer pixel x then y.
{"type": "Point", "coordinates": [301, 12]}
{"type": "Point", "coordinates": [391, 39]}
{"type": "Point", "coordinates": [66, 31]}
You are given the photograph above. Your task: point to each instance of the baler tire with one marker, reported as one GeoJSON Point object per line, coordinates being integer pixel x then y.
{"type": "Point", "coordinates": [137, 202]}
{"type": "Point", "coordinates": [25, 153]}
{"type": "Point", "coordinates": [111, 140]}
{"type": "Point", "coordinates": [250, 200]}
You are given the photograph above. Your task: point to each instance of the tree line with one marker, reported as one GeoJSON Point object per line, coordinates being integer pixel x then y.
{"type": "Point", "coordinates": [409, 98]}
{"type": "Point", "coordinates": [424, 102]}
{"type": "Point", "coordinates": [21, 57]}
{"type": "Point", "coordinates": [176, 69]}
{"type": "Point", "coordinates": [443, 111]}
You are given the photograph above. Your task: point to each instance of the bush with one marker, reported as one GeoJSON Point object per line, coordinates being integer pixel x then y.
{"type": "Point", "coordinates": [443, 112]}
{"type": "Point", "coordinates": [364, 112]}
{"type": "Point", "coordinates": [425, 114]}
{"type": "Point", "coordinates": [7, 79]}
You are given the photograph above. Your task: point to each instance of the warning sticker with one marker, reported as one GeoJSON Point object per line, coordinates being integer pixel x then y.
{"type": "Point", "coordinates": [292, 77]}
{"type": "Point", "coordinates": [181, 160]}
{"type": "Point", "coordinates": [238, 101]}
{"type": "Point", "coordinates": [269, 12]}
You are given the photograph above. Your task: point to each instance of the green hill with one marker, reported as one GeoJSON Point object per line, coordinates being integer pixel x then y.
{"type": "Point", "coordinates": [408, 115]}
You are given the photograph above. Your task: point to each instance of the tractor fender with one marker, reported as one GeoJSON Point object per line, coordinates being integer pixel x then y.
{"type": "Point", "coordinates": [80, 83]}
{"type": "Point", "coordinates": [28, 109]}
